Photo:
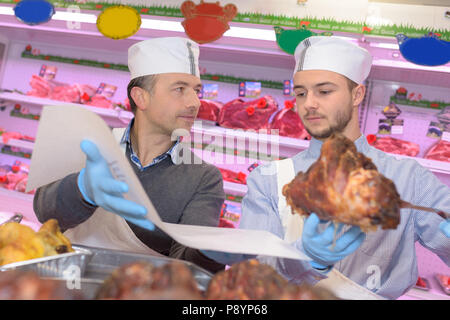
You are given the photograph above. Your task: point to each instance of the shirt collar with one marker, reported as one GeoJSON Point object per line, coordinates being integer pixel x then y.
{"type": "Point", "coordinates": [172, 152]}
{"type": "Point", "coordinates": [315, 146]}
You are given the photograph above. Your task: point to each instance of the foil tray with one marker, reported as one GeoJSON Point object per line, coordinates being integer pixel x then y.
{"type": "Point", "coordinates": [104, 261]}
{"type": "Point", "coordinates": [59, 266]}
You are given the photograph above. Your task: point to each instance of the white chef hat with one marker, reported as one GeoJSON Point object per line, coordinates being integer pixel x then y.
{"type": "Point", "coordinates": [163, 55]}
{"type": "Point", "coordinates": [333, 54]}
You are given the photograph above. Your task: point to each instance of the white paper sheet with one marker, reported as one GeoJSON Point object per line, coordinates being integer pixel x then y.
{"type": "Point", "coordinates": [57, 153]}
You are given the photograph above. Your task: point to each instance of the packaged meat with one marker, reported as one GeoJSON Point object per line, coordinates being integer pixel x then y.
{"type": "Point", "coordinates": [232, 176]}
{"type": "Point", "coordinates": [209, 110]}
{"type": "Point", "coordinates": [39, 87]}
{"type": "Point", "coordinates": [100, 101]}
{"type": "Point", "coordinates": [288, 123]}
{"type": "Point", "coordinates": [422, 284]}
{"type": "Point", "coordinates": [444, 282]}
{"type": "Point", "coordinates": [396, 146]}
{"type": "Point", "coordinates": [254, 114]}
{"type": "Point", "coordinates": [440, 151]}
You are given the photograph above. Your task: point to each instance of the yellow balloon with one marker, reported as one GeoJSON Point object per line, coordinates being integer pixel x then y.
{"type": "Point", "coordinates": [119, 22]}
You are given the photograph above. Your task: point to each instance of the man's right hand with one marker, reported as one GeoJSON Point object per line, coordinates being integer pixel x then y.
{"type": "Point", "coordinates": [98, 187]}
{"type": "Point", "coordinates": [318, 246]}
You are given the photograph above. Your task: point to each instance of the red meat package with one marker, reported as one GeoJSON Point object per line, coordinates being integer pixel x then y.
{"type": "Point", "coordinates": [393, 145]}
{"type": "Point", "coordinates": [209, 110]}
{"type": "Point", "coordinates": [231, 176]}
{"type": "Point", "coordinates": [288, 123]}
{"type": "Point", "coordinates": [255, 114]}
{"type": "Point", "coordinates": [440, 151]}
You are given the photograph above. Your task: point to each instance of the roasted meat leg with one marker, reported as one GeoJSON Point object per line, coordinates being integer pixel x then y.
{"type": "Point", "coordinates": [345, 186]}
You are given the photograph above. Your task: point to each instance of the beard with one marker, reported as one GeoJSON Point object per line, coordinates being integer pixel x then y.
{"type": "Point", "coordinates": [342, 119]}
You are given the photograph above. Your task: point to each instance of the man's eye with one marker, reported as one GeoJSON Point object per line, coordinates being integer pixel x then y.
{"type": "Point", "coordinates": [301, 94]}
{"type": "Point", "coordinates": [179, 89]}
{"type": "Point", "coordinates": [325, 91]}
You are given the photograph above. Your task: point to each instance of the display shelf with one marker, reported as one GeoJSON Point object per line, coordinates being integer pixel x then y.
{"type": "Point", "coordinates": [16, 195]}
{"type": "Point", "coordinates": [287, 146]}
{"type": "Point", "coordinates": [18, 143]}
{"type": "Point", "coordinates": [235, 188]}
{"type": "Point", "coordinates": [115, 118]}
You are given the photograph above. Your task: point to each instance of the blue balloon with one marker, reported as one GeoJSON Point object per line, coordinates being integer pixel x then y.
{"type": "Point", "coordinates": [34, 12]}
{"type": "Point", "coordinates": [427, 50]}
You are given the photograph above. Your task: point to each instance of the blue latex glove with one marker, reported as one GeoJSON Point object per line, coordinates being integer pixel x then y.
{"type": "Point", "coordinates": [445, 227]}
{"type": "Point", "coordinates": [225, 257]}
{"type": "Point", "coordinates": [318, 245]}
{"type": "Point", "coordinates": [98, 187]}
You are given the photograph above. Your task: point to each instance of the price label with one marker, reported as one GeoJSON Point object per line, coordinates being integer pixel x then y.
{"type": "Point", "coordinates": [397, 130]}
{"type": "Point", "coordinates": [446, 136]}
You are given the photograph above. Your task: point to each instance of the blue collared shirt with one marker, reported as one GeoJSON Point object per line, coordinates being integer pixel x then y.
{"type": "Point", "coordinates": [386, 262]}
{"type": "Point", "coordinates": [172, 152]}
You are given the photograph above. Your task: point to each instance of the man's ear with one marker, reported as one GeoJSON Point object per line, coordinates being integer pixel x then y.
{"type": "Point", "coordinates": [140, 97]}
{"type": "Point", "coordinates": [358, 94]}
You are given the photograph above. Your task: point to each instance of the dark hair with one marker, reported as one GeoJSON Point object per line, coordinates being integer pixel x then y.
{"type": "Point", "coordinates": [351, 84]}
{"type": "Point", "coordinates": [144, 82]}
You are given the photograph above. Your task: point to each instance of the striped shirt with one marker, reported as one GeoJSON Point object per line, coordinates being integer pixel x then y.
{"type": "Point", "coordinates": [386, 262]}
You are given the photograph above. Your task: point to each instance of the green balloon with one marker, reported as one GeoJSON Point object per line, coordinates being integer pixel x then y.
{"type": "Point", "coordinates": [288, 40]}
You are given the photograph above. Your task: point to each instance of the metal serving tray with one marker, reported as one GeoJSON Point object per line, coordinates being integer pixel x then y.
{"type": "Point", "coordinates": [54, 266]}
{"type": "Point", "coordinates": [104, 261]}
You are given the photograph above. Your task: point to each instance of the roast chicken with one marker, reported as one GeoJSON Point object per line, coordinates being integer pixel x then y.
{"type": "Point", "coordinates": [19, 242]}
{"type": "Point", "coordinates": [343, 185]}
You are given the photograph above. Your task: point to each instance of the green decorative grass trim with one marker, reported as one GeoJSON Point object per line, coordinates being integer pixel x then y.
{"type": "Point", "coordinates": [7, 150]}
{"type": "Point", "coordinates": [325, 24]}
{"type": "Point", "coordinates": [438, 105]}
{"type": "Point", "coordinates": [112, 66]}
{"type": "Point", "coordinates": [25, 116]}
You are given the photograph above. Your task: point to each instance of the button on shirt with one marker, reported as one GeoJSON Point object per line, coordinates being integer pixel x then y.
{"type": "Point", "coordinates": [386, 262]}
{"type": "Point", "coordinates": [172, 152]}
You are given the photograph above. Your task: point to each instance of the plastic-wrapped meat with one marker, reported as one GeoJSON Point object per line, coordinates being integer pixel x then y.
{"type": "Point", "coordinates": [85, 91]}
{"type": "Point", "coordinates": [209, 110]}
{"type": "Point", "coordinates": [142, 280]}
{"type": "Point", "coordinates": [396, 146]}
{"type": "Point", "coordinates": [26, 285]}
{"type": "Point", "coordinates": [289, 124]}
{"type": "Point", "coordinates": [231, 176]}
{"type": "Point", "coordinates": [66, 93]}
{"type": "Point", "coordinates": [251, 280]}
{"type": "Point", "coordinates": [14, 178]}
{"type": "Point", "coordinates": [440, 151]}
{"type": "Point", "coordinates": [39, 87]}
{"type": "Point", "coordinates": [254, 114]}
{"type": "Point", "coordinates": [100, 101]}
{"type": "Point", "coordinates": [11, 135]}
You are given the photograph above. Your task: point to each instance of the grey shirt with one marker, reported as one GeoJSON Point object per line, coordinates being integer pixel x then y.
{"type": "Point", "coordinates": [181, 193]}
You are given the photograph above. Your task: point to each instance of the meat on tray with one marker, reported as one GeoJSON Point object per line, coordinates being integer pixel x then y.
{"type": "Point", "coordinates": [255, 114]}
{"type": "Point", "coordinates": [344, 185]}
{"type": "Point", "coordinates": [27, 285]}
{"type": "Point", "coordinates": [440, 151]}
{"type": "Point", "coordinates": [19, 242]}
{"type": "Point", "coordinates": [396, 146]}
{"type": "Point", "coordinates": [143, 281]}
{"type": "Point", "coordinates": [251, 280]}
{"type": "Point", "coordinates": [288, 123]}
{"type": "Point", "coordinates": [209, 110]}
